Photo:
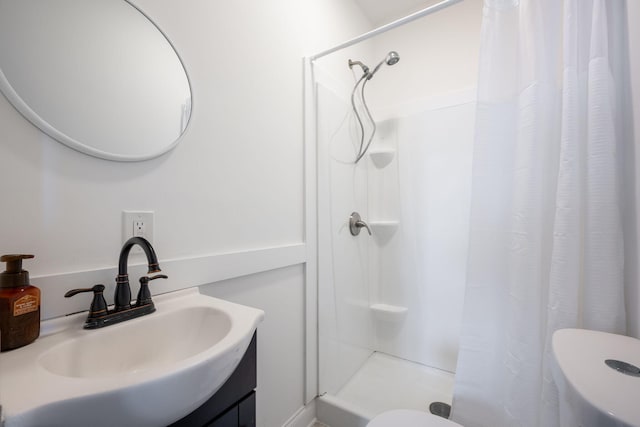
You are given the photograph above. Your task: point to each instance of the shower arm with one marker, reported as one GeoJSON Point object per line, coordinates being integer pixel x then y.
{"type": "Point", "coordinates": [365, 69]}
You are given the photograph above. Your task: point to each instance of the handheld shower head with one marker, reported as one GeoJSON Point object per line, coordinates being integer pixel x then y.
{"type": "Point", "coordinates": [392, 58]}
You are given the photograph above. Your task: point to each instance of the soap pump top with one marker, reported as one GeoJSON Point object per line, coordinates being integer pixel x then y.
{"type": "Point", "coordinates": [14, 276]}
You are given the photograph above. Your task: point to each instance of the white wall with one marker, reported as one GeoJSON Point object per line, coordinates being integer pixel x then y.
{"type": "Point", "coordinates": [633, 15]}
{"type": "Point", "coordinates": [241, 154]}
{"type": "Point", "coordinates": [234, 183]}
{"type": "Point", "coordinates": [438, 55]}
{"type": "Point", "coordinates": [280, 338]}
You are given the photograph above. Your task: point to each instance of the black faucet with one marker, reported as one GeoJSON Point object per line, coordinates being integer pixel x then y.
{"type": "Point", "coordinates": [122, 297]}
{"type": "Point", "coordinates": [99, 315]}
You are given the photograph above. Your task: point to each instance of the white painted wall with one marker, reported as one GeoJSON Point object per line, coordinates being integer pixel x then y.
{"type": "Point", "coordinates": [633, 289]}
{"type": "Point", "coordinates": [241, 154]}
{"type": "Point", "coordinates": [234, 183]}
{"type": "Point", "coordinates": [438, 55]}
{"type": "Point", "coordinates": [280, 338]}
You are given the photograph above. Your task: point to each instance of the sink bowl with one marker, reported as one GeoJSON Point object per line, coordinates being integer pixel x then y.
{"type": "Point", "coordinates": [118, 351]}
{"type": "Point", "coordinates": [598, 378]}
{"type": "Point", "coordinates": [149, 371]}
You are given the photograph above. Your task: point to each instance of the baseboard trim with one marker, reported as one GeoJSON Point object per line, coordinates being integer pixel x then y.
{"type": "Point", "coordinates": [304, 417]}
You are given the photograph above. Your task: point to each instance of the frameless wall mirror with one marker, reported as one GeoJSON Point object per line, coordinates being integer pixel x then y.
{"type": "Point", "coordinates": [96, 75]}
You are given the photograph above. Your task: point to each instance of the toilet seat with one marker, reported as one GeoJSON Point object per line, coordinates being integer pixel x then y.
{"type": "Point", "coordinates": [410, 418]}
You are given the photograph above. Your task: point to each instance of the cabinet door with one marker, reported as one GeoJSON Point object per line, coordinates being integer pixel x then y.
{"type": "Point", "coordinates": [228, 419]}
{"type": "Point", "coordinates": [247, 411]}
{"type": "Point", "coordinates": [235, 390]}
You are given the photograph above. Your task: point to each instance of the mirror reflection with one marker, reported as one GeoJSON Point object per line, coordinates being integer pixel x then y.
{"type": "Point", "coordinates": [97, 75]}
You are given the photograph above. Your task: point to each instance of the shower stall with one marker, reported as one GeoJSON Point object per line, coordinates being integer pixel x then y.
{"type": "Point", "coordinates": [399, 154]}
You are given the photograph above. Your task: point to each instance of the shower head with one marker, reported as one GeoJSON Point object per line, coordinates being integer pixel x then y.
{"type": "Point", "coordinates": [392, 58]}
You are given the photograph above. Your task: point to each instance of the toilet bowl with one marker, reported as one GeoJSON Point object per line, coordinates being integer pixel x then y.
{"type": "Point", "coordinates": [410, 418]}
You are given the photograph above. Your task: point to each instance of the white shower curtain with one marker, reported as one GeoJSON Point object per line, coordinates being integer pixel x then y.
{"type": "Point", "coordinates": [551, 185]}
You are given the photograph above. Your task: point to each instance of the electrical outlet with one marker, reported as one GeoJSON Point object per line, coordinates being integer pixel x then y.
{"type": "Point", "coordinates": [137, 224]}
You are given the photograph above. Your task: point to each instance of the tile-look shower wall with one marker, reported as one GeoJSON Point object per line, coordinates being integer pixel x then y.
{"type": "Point", "coordinates": [345, 329]}
{"type": "Point", "coordinates": [426, 107]}
{"type": "Point", "coordinates": [421, 265]}
{"type": "Point", "coordinates": [358, 272]}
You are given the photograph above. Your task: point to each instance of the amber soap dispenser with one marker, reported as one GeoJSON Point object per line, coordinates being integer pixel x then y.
{"type": "Point", "coordinates": [19, 305]}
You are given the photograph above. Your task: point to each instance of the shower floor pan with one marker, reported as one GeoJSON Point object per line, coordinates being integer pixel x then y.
{"type": "Point", "coordinates": [383, 383]}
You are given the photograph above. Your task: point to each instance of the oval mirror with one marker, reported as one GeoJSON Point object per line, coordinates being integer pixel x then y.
{"type": "Point", "coordinates": [96, 75]}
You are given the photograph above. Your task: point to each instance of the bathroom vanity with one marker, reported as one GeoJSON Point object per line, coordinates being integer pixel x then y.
{"type": "Point", "coordinates": [144, 372]}
{"type": "Point", "coordinates": [234, 405]}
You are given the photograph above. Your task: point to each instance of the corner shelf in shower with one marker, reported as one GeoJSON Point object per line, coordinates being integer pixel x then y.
{"type": "Point", "coordinates": [383, 229]}
{"type": "Point", "coordinates": [381, 157]}
{"type": "Point", "coordinates": [388, 312]}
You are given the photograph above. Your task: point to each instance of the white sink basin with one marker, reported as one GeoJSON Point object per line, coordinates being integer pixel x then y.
{"type": "Point", "coordinates": [593, 393]}
{"type": "Point", "coordinates": [149, 371]}
{"type": "Point", "coordinates": [117, 351]}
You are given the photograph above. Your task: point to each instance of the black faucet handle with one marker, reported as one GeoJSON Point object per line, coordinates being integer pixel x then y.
{"type": "Point", "coordinates": [147, 279]}
{"type": "Point", "coordinates": [94, 289]}
{"type": "Point", "coordinates": [144, 295]}
{"type": "Point", "coordinates": [98, 304]}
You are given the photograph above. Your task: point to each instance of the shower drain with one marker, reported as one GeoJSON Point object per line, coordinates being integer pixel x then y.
{"type": "Point", "coordinates": [440, 409]}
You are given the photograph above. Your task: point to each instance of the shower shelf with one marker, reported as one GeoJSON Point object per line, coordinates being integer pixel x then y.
{"type": "Point", "coordinates": [388, 313]}
{"type": "Point", "coordinates": [383, 229]}
{"type": "Point", "coordinates": [381, 157]}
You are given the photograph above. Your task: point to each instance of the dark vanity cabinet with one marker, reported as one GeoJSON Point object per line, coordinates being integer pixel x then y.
{"type": "Point", "coordinates": [234, 404]}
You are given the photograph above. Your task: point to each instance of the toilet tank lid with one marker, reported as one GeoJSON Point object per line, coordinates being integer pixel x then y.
{"type": "Point", "coordinates": [581, 371]}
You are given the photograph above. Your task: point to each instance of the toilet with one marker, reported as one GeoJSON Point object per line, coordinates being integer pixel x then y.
{"type": "Point", "coordinates": [598, 378]}
{"type": "Point", "coordinates": [410, 418]}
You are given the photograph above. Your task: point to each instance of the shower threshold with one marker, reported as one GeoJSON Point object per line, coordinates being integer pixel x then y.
{"type": "Point", "coordinates": [383, 383]}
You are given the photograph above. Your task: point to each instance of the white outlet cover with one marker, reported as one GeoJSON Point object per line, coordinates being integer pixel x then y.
{"type": "Point", "coordinates": [129, 218]}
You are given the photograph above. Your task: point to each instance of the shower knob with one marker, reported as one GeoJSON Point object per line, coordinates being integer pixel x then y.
{"type": "Point", "coordinates": [356, 223]}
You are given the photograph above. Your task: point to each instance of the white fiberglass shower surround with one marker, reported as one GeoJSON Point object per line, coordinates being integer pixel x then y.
{"type": "Point", "coordinates": [390, 303]}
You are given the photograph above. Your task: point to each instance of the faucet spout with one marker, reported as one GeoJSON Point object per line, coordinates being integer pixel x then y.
{"type": "Point", "coordinates": [123, 290]}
